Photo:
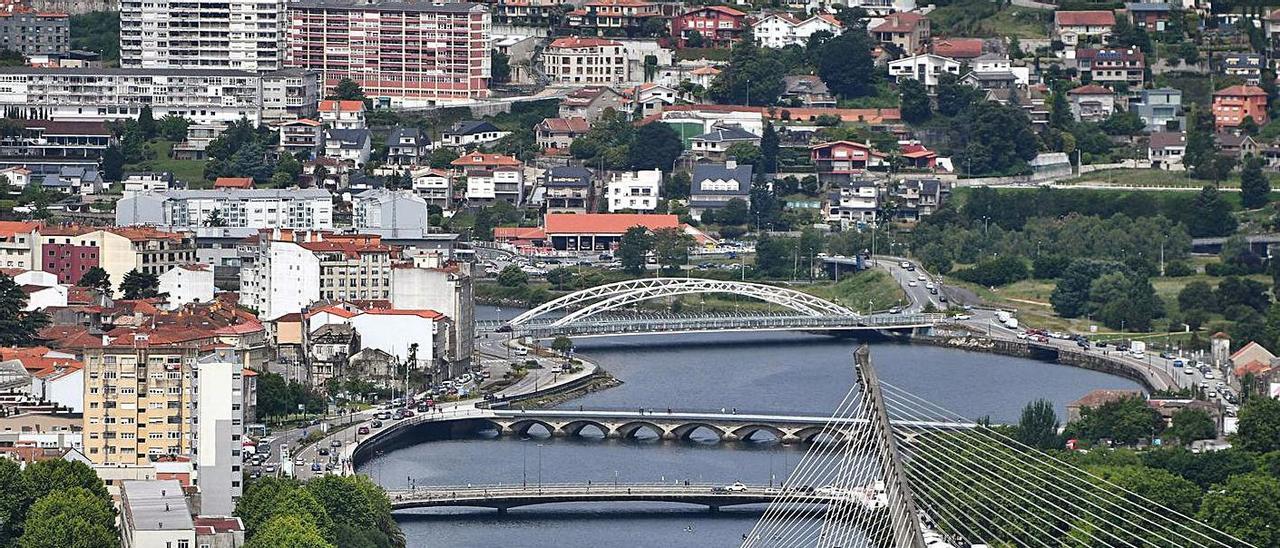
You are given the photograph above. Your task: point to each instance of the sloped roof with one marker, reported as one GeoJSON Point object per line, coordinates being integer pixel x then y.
{"type": "Point", "coordinates": [1090, 18]}
{"type": "Point", "coordinates": [472, 127]}
{"type": "Point", "coordinates": [1091, 89]}
{"type": "Point", "coordinates": [1240, 91]}
{"type": "Point", "coordinates": [899, 22]}
{"type": "Point", "coordinates": [730, 132]}
{"type": "Point", "coordinates": [565, 125]}
{"type": "Point", "coordinates": [329, 105]}
{"type": "Point", "coordinates": [482, 159]}
{"type": "Point", "coordinates": [233, 182]}
{"type": "Point", "coordinates": [605, 223]}
{"type": "Point", "coordinates": [579, 42]}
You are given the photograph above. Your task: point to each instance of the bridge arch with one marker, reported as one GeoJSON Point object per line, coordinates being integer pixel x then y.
{"type": "Point", "coordinates": [684, 431]}
{"type": "Point", "coordinates": [746, 431]}
{"type": "Point", "coordinates": [575, 428]}
{"type": "Point", "coordinates": [586, 303]}
{"type": "Point", "coordinates": [817, 433]}
{"type": "Point", "coordinates": [629, 430]}
{"type": "Point", "coordinates": [522, 427]}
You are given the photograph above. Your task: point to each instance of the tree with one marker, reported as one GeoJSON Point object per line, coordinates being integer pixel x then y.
{"type": "Point", "coordinates": [71, 517]}
{"type": "Point", "coordinates": [215, 217]}
{"type": "Point", "coordinates": [1234, 291]}
{"type": "Point", "coordinates": [356, 502]}
{"type": "Point", "coordinates": [501, 67]}
{"type": "Point", "coordinates": [1070, 297]}
{"type": "Point", "coordinates": [173, 128]}
{"type": "Point", "coordinates": [773, 256]}
{"type": "Point", "coordinates": [15, 498]}
{"type": "Point", "coordinates": [996, 271]}
{"type": "Point", "coordinates": [1125, 421]}
{"type": "Point", "coordinates": [660, 145]}
{"type": "Point", "coordinates": [753, 76]}
{"type": "Point", "coordinates": [671, 248]}
{"type": "Point", "coordinates": [633, 249]}
{"type": "Point", "coordinates": [273, 395]}
{"type": "Point", "coordinates": [347, 90]}
{"type": "Point", "coordinates": [270, 497]}
{"type": "Point", "coordinates": [512, 276]}
{"type": "Point", "coordinates": [847, 67]}
{"type": "Point", "coordinates": [694, 40]}
{"type": "Point", "coordinates": [17, 327]}
{"type": "Point", "coordinates": [562, 345]}
{"type": "Point", "coordinates": [1255, 187]}
{"type": "Point", "coordinates": [289, 531]}
{"type": "Point", "coordinates": [765, 206]}
{"type": "Point", "coordinates": [768, 150]}
{"type": "Point", "coordinates": [677, 186]}
{"type": "Point", "coordinates": [997, 139]}
{"type": "Point", "coordinates": [916, 107]}
{"type": "Point", "coordinates": [1197, 295]}
{"type": "Point", "coordinates": [96, 278]}
{"type": "Point", "coordinates": [1259, 426]}
{"type": "Point", "coordinates": [954, 97]}
{"type": "Point", "coordinates": [47, 476]}
{"type": "Point", "coordinates": [1247, 507]}
{"type": "Point", "coordinates": [1038, 426]}
{"type": "Point", "coordinates": [1190, 425]}
{"type": "Point", "coordinates": [112, 163]}
{"type": "Point", "coordinates": [744, 154]}
{"type": "Point", "coordinates": [139, 285]}
{"type": "Point", "coordinates": [443, 157]}
{"type": "Point", "coordinates": [1201, 150]}
{"type": "Point", "coordinates": [735, 212]}
{"type": "Point", "coordinates": [147, 123]}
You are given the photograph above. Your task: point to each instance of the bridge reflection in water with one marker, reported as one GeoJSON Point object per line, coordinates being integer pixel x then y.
{"type": "Point", "coordinates": [501, 497]}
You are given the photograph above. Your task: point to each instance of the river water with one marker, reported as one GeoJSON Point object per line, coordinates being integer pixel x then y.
{"type": "Point", "coordinates": [788, 373]}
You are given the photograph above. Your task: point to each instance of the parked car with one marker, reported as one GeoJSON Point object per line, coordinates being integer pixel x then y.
{"type": "Point", "coordinates": [362, 430]}
{"type": "Point", "coordinates": [376, 423]}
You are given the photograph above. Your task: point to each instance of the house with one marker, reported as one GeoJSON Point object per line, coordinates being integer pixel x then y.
{"type": "Point", "coordinates": [557, 134]}
{"type": "Point", "coordinates": [1073, 27]}
{"type": "Point", "coordinates": [17, 176]}
{"type": "Point", "coordinates": [614, 17]}
{"type": "Point", "coordinates": [301, 136]}
{"type": "Point", "coordinates": [599, 231]}
{"type": "Point", "coordinates": [908, 32]}
{"type": "Point", "coordinates": [350, 147]}
{"type": "Point", "coordinates": [958, 48]}
{"type": "Point", "coordinates": [188, 283]}
{"type": "Point", "coordinates": [567, 189]}
{"type": "Point", "coordinates": [1246, 66]}
{"type": "Point", "coordinates": [713, 185]}
{"type": "Point", "coordinates": [1097, 398]}
{"type": "Point", "coordinates": [1149, 16]}
{"type": "Point", "coordinates": [634, 190]}
{"type": "Point", "coordinates": [433, 185]}
{"type": "Point", "coordinates": [470, 134]}
{"type": "Point", "coordinates": [1160, 109]}
{"type": "Point", "coordinates": [807, 90]}
{"type": "Point", "coordinates": [716, 142]}
{"type": "Point", "coordinates": [329, 346]}
{"type": "Point", "coordinates": [233, 183]}
{"type": "Point", "coordinates": [919, 198]}
{"type": "Point", "coordinates": [1113, 67]}
{"type": "Point", "coordinates": [590, 103]}
{"type": "Point", "coordinates": [781, 29]}
{"type": "Point", "coordinates": [1165, 150]}
{"type": "Point", "coordinates": [342, 114]}
{"type": "Point", "coordinates": [653, 98]}
{"type": "Point", "coordinates": [916, 156]}
{"type": "Point", "coordinates": [1091, 103]}
{"type": "Point", "coordinates": [1233, 104]}
{"type": "Point", "coordinates": [408, 147]}
{"type": "Point", "coordinates": [147, 181]}
{"type": "Point", "coordinates": [1235, 145]}
{"type": "Point", "coordinates": [709, 26]}
{"type": "Point", "coordinates": [853, 202]}
{"type": "Point", "coordinates": [838, 161]}
{"type": "Point", "coordinates": [928, 68]}
{"type": "Point", "coordinates": [492, 177]}
{"type": "Point", "coordinates": [75, 179]}
{"type": "Point", "coordinates": [998, 85]}
{"type": "Point", "coordinates": [578, 60]}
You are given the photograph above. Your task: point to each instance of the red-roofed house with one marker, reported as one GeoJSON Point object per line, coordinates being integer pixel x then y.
{"type": "Point", "coordinates": [841, 160]}
{"type": "Point", "coordinates": [558, 133]}
{"type": "Point", "coordinates": [520, 236]}
{"type": "Point", "coordinates": [1233, 104]}
{"type": "Point", "coordinates": [1252, 358]}
{"type": "Point", "coordinates": [919, 157]}
{"type": "Point", "coordinates": [233, 183]}
{"type": "Point", "coordinates": [598, 231]}
{"type": "Point", "coordinates": [20, 245]}
{"type": "Point", "coordinates": [614, 16]}
{"type": "Point", "coordinates": [575, 60]}
{"type": "Point", "coordinates": [219, 531]}
{"type": "Point", "coordinates": [492, 177]}
{"type": "Point", "coordinates": [958, 48]}
{"type": "Point", "coordinates": [342, 114]}
{"type": "Point", "coordinates": [1072, 26]}
{"type": "Point", "coordinates": [715, 26]}
{"type": "Point", "coordinates": [1092, 103]}
{"type": "Point", "coordinates": [908, 31]}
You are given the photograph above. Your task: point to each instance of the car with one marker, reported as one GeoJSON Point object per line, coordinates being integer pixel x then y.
{"type": "Point", "coordinates": [316, 467]}
{"type": "Point", "coordinates": [323, 451]}
{"type": "Point", "coordinates": [921, 277]}
{"type": "Point", "coordinates": [912, 283]}
{"type": "Point", "coordinates": [719, 489]}
{"type": "Point", "coordinates": [408, 412]}
{"type": "Point", "coordinates": [1022, 335]}
{"type": "Point", "coordinates": [1083, 344]}
{"type": "Point", "coordinates": [904, 264]}
{"type": "Point", "coordinates": [1209, 375]}
{"type": "Point", "coordinates": [963, 317]}
{"type": "Point", "coordinates": [269, 469]}
{"type": "Point", "coordinates": [335, 443]}
{"type": "Point", "coordinates": [911, 268]}
{"type": "Point", "coordinates": [329, 467]}
{"type": "Point", "coordinates": [520, 352]}
{"type": "Point", "coordinates": [362, 430]}
{"type": "Point", "coordinates": [376, 423]}
{"type": "Point", "coordinates": [1167, 355]}
{"type": "Point", "coordinates": [1189, 371]}
{"type": "Point", "coordinates": [942, 298]}
{"type": "Point", "coordinates": [737, 487]}
{"type": "Point", "coordinates": [1211, 394]}
{"type": "Point", "coordinates": [299, 462]}
{"type": "Point", "coordinates": [895, 310]}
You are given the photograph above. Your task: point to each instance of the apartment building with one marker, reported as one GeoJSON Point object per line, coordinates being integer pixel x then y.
{"type": "Point", "coordinates": [388, 211]}
{"type": "Point", "coordinates": [1113, 66]}
{"type": "Point", "coordinates": [616, 16]}
{"type": "Point", "coordinates": [781, 29]}
{"type": "Point", "coordinates": [575, 60]}
{"type": "Point", "coordinates": [20, 245]}
{"type": "Point", "coordinates": [927, 68]}
{"type": "Point", "coordinates": [713, 26]}
{"type": "Point", "coordinates": [237, 34]}
{"type": "Point", "coordinates": [427, 282]}
{"type": "Point", "coordinates": [352, 267]}
{"type": "Point", "coordinates": [492, 177]}
{"type": "Point", "coordinates": [300, 208]}
{"type": "Point", "coordinates": [277, 275]}
{"type": "Point", "coordinates": [567, 189]}
{"type": "Point", "coordinates": [908, 31]}
{"type": "Point", "coordinates": [32, 32]}
{"type": "Point", "coordinates": [634, 191]}
{"type": "Point", "coordinates": [290, 94]}
{"type": "Point", "coordinates": [205, 96]}
{"type": "Point", "coordinates": [342, 114]}
{"type": "Point", "coordinates": [401, 54]}
{"type": "Point", "coordinates": [853, 201]}
{"type": "Point", "coordinates": [219, 410]}
{"type": "Point", "coordinates": [1233, 104]}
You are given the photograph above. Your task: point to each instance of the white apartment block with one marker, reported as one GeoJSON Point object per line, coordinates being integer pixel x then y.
{"type": "Point", "coordinates": [927, 68]}
{"type": "Point", "coordinates": [278, 277]}
{"type": "Point", "coordinates": [388, 210]}
{"type": "Point", "coordinates": [188, 283]}
{"type": "Point", "coordinates": [576, 60]}
{"type": "Point", "coordinates": [100, 94]}
{"type": "Point", "coordinates": [634, 191]}
{"type": "Point", "coordinates": [499, 184]}
{"type": "Point", "coordinates": [220, 425]}
{"type": "Point", "coordinates": [237, 34]}
{"type": "Point", "coordinates": [299, 208]}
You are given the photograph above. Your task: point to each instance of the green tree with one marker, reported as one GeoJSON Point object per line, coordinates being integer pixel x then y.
{"type": "Point", "coordinates": [70, 517]}
{"type": "Point", "coordinates": [916, 104]}
{"type": "Point", "coordinates": [46, 476]}
{"type": "Point", "coordinates": [1070, 297]}
{"type": "Point", "coordinates": [735, 212]}
{"type": "Point", "coordinates": [1258, 429]}
{"type": "Point", "coordinates": [1190, 425]}
{"type": "Point", "coordinates": [562, 345]}
{"type": "Point", "coordinates": [512, 276]}
{"type": "Point", "coordinates": [661, 146]}
{"type": "Point", "coordinates": [1201, 150]}
{"type": "Point", "coordinates": [272, 497]}
{"type": "Point", "coordinates": [1247, 507]}
{"type": "Point", "coordinates": [501, 71]}
{"type": "Point", "coordinates": [112, 163]}
{"type": "Point", "coordinates": [15, 498]}
{"type": "Point", "coordinates": [744, 154]}
{"type": "Point", "coordinates": [147, 123]}
{"type": "Point", "coordinates": [347, 90]}
{"type": "Point", "coordinates": [1255, 187]}
{"type": "Point", "coordinates": [1060, 116]}
{"type": "Point", "coordinates": [774, 256]}
{"type": "Point", "coordinates": [560, 277]}
{"type": "Point", "coordinates": [671, 248]}
{"type": "Point", "coordinates": [995, 271]}
{"type": "Point", "coordinates": [96, 278]}
{"type": "Point", "coordinates": [1197, 295]}
{"type": "Point", "coordinates": [442, 158]}
{"type": "Point", "coordinates": [173, 128]}
{"type": "Point", "coordinates": [847, 67]}
{"type": "Point", "coordinates": [754, 76]}
{"type": "Point", "coordinates": [17, 327]}
{"type": "Point", "coordinates": [997, 139]}
{"type": "Point", "coordinates": [356, 502]}
{"type": "Point", "coordinates": [139, 285]}
{"type": "Point", "coordinates": [954, 97]}
{"type": "Point", "coordinates": [633, 249]}
{"type": "Point", "coordinates": [289, 531]}
{"type": "Point", "coordinates": [1038, 426]}
{"type": "Point", "coordinates": [1125, 421]}
{"type": "Point", "coordinates": [768, 150]}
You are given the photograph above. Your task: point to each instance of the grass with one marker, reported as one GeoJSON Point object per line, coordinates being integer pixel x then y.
{"type": "Point", "coordinates": [187, 171]}
{"type": "Point", "coordinates": [856, 291]}
{"type": "Point", "coordinates": [987, 19]}
{"type": "Point", "coordinates": [710, 54]}
{"type": "Point", "coordinates": [1149, 178]}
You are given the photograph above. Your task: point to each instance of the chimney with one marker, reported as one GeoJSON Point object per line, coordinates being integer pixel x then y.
{"type": "Point", "coordinates": [731, 164]}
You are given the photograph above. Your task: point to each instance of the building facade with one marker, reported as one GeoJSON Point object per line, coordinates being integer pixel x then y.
{"type": "Point", "coordinates": [1233, 104]}
{"type": "Point", "coordinates": [219, 412]}
{"type": "Point", "coordinates": [32, 32]}
{"type": "Point", "coordinates": [587, 61]}
{"type": "Point", "coordinates": [300, 208]}
{"type": "Point", "coordinates": [238, 35]}
{"type": "Point", "coordinates": [634, 191]}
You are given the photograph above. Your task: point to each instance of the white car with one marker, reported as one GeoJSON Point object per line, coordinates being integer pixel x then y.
{"type": "Point", "coordinates": [921, 277]}
{"type": "Point", "coordinates": [1209, 376]}
{"type": "Point", "coordinates": [905, 264]}
{"type": "Point", "coordinates": [737, 487]}
{"type": "Point", "coordinates": [912, 283]}
{"type": "Point", "coordinates": [1022, 335]}
{"type": "Point", "coordinates": [963, 317]}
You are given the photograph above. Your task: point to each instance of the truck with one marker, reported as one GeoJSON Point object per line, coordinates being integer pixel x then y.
{"type": "Point", "coordinates": [1138, 349]}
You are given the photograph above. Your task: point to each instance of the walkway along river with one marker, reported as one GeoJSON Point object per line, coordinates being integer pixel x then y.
{"type": "Point", "coordinates": [790, 373]}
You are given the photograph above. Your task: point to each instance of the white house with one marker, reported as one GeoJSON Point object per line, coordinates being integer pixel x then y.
{"type": "Point", "coordinates": [433, 185]}
{"type": "Point", "coordinates": [634, 190]}
{"type": "Point", "coordinates": [188, 283]}
{"type": "Point", "coordinates": [927, 68]}
{"type": "Point", "coordinates": [716, 142]}
{"type": "Point", "coordinates": [60, 384]}
{"type": "Point", "coordinates": [396, 331]}
{"type": "Point", "coordinates": [342, 114]}
{"type": "Point", "coordinates": [471, 133]}
{"type": "Point", "coordinates": [148, 181]}
{"type": "Point", "coordinates": [279, 277]}
{"type": "Point", "coordinates": [349, 146]}
{"type": "Point", "coordinates": [779, 30]}
{"type": "Point", "coordinates": [40, 298]}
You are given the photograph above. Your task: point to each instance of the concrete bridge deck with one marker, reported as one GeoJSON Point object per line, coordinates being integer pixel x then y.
{"type": "Point", "coordinates": [503, 497]}
{"type": "Point", "coordinates": [675, 324]}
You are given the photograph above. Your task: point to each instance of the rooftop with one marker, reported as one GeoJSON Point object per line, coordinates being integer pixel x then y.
{"type": "Point", "coordinates": [1090, 18]}
{"type": "Point", "coordinates": [576, 42]}
{"type": "Point", "coordinates": [900, 22]}
{"type": "Point", "coordinates": [155, 505]}
{"type": "Point", "coordinates": [1240, 91]}
{"type": "Point", "coordinates": [605, 223]}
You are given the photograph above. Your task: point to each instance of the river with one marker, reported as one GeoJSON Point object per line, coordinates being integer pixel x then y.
{"type": "Point", "coordinates": [768, 372]}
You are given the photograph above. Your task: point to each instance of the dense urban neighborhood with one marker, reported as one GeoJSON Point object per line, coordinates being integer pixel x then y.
{"type": "Point", "coordinates": [251, 250]}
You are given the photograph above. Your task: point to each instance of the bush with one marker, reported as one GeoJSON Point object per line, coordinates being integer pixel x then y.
{"type": "Point", "coordinates": [993, 272]}
{"type": "Point", "coordinates": [1178, 269]}
{"type": "Point", "coordinates": [1048, 267]}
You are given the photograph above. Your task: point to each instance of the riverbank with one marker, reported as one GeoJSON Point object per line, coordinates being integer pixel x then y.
{"type": "Point", "coordinates": [1021, 349]}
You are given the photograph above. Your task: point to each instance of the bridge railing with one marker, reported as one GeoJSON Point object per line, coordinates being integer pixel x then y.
{"type": "Point", "coordinates": [703, 323]}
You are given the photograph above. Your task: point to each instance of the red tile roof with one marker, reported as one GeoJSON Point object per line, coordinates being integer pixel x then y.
{"type": "Point", "coordinates": [605, 223]}
{"type": "Point", "coordinates": [1240, 91]}
{"type": "Point", "coordinates": [329, 105]}
{"type": "Point", "coordinates": [1091, 89]}
{"type": "Point", "coordinates": [423, 313]}
{"type": "Point", "coordinates": [958, 48]}
{"type": "Point", "coordinates": [518, 233]}
{"type": "Point", "coordinates": [333, 309]}
{"type": "Point", "coordinates": [566, 125]}
{"type": "Point", "coordinates": [233, 182]}
{"type": "Point", "coordinates": [899, 22]}
{"type": "Point", "coordinates": [722, 9]}
{"type": "Point", "coordinates": [477, 159]}
{"type": "Point", "coordinates": [577, 42]}
{"type": "Point", "coordinates": [9, 228]}
{"type": "Point", "coordinates": [144, 233]}
{"type": "Point", "coordinates": [1092, 18]}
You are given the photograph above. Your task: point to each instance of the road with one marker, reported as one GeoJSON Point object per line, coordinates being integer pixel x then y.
{"type": "Point", "coordinates": [918, 294]}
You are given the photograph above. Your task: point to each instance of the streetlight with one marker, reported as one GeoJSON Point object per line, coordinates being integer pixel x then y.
{"type": "Point", "coordinates": [539, 467]}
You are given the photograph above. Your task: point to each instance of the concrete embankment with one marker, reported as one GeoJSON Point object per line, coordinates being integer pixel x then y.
{"type": "Point", "coordinates": [1022, 349]}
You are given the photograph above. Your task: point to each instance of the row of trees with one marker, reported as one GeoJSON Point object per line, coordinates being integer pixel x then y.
{"type": "Point", "coordinates": [242, 151]}
{"type": "Point", "coordinates": [278, 397]}
{"type": "Point", "coordinates": [55, 503]}
{"type": "Point", "coordinates": [326, 512]}
{"type": "Point", "coordinates": [1203, 214]}
{"type": "Point", "coordinates": [1109, 292]}
{"type": "Point", "coordinates": [615, 143]}
{"type": "Point", "coordinates": [669, 247]}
